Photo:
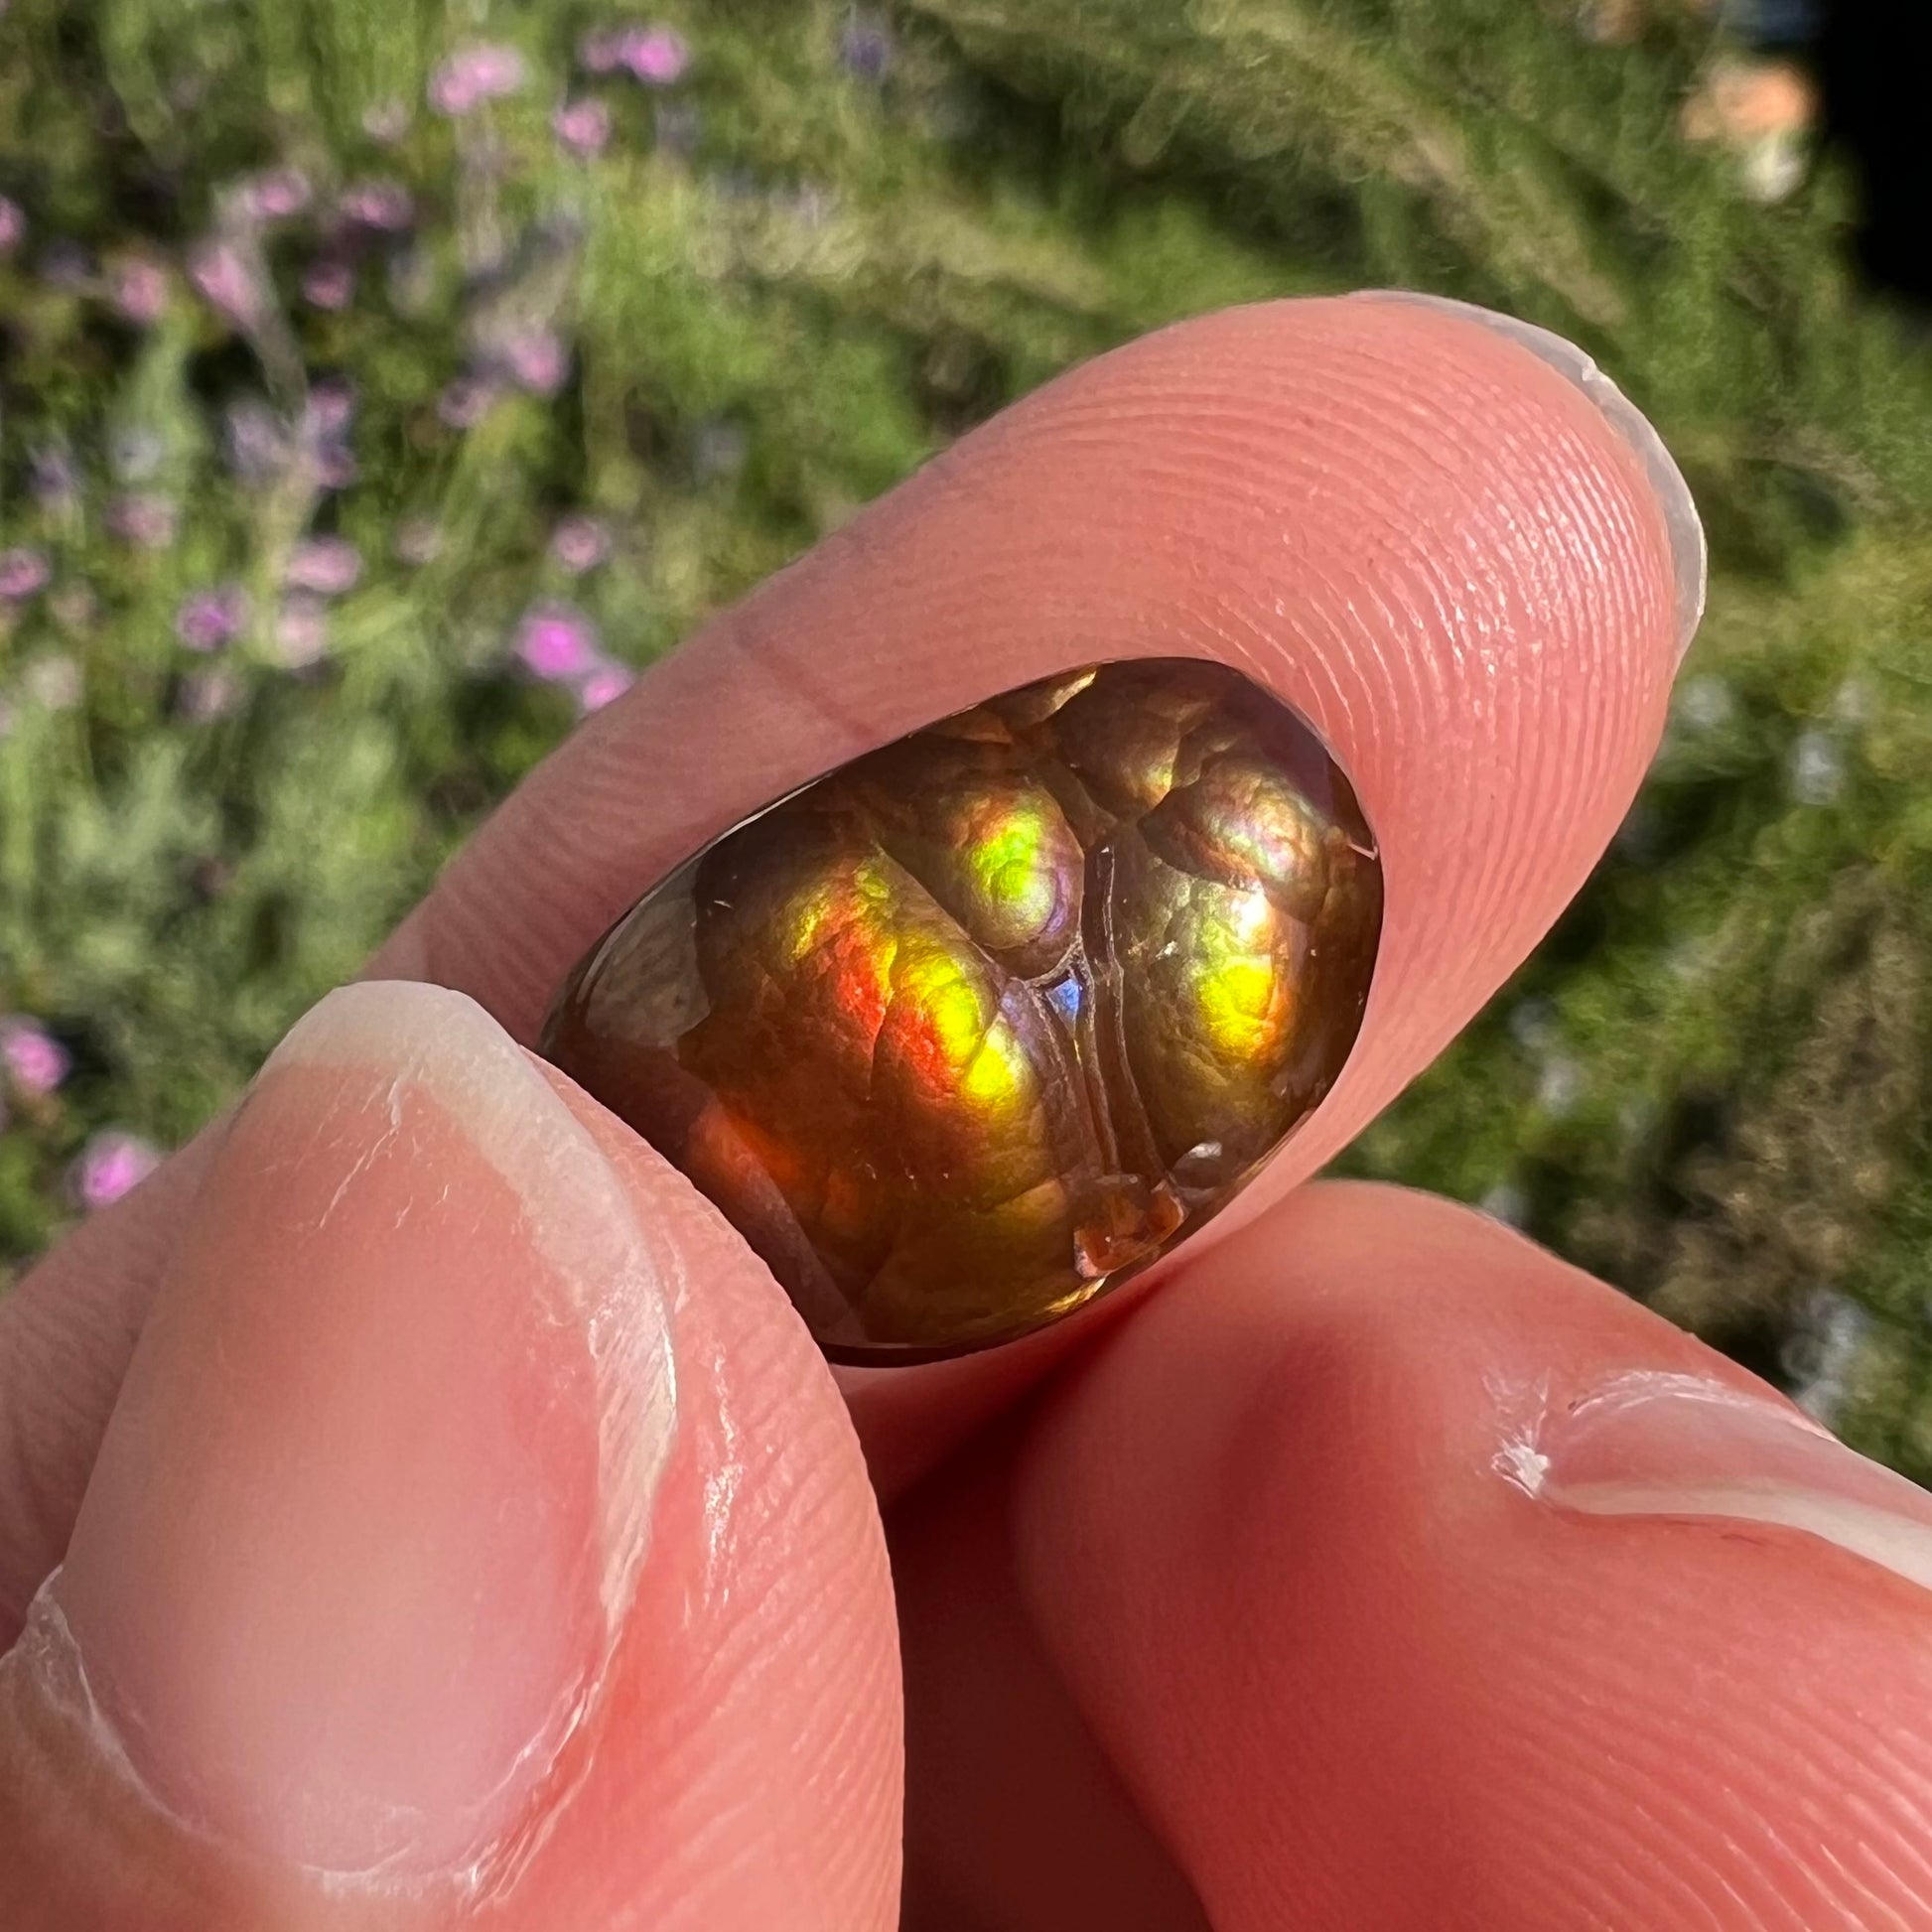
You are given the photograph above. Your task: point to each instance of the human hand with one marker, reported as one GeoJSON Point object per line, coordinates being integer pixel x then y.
{"type": "Point", "coordinates": [475, 1534]}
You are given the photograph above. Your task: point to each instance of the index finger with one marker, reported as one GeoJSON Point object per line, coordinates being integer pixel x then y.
{"type": "Point", "coordinates": [1440, 536]}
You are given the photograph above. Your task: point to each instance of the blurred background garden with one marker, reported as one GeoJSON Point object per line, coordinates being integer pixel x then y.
{"type": "Point", "coordinates": [384, 383]}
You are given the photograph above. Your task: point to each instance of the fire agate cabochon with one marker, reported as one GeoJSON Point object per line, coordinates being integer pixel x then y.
{"type": "Point", "coordinates": [965, 1031]}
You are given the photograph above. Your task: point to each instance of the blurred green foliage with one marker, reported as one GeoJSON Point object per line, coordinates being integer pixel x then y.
{"type": "Point", "coordinates": [798, 265]}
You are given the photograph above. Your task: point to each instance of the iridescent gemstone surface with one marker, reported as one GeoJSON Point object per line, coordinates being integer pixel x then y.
{"type": "Point", "coordinates": [964, 1033]}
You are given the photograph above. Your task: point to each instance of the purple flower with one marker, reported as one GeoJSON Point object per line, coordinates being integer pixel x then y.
{"type": "Point", "coordinates": [36, 1062]}
{"type": "Point", "coordinates": [276, 195]}
{"type": "Point", "coordinates": [111, 1165]}
{"type": "Point", "coordinates": [140, 290]}
{"type": "Point", "coordinates": [326, 420]}
{"type": "Point", "coordinates": [537, 360]}
{"type": "Point", "coordinates": [607, 682]}
{"type": "Point", "coordinates": [467, 401]}
{"type": "Point", "coordinates": [328, 284]}
{"type": "Point", "coordinates": [143, 519]}
{"type": "Point", "coordinates": [302, 630]}
{"type": "Point", "coordinates": [327, 565]}
{"type": "Point", "coordinates": [331, 407]}
{"type": "Point", "coordinates": [335, 466]}
{"type": "Point", "coordinates": [602, 50]}
{"type": "Point", "coordinates": [22, 573]}
{"type": "Point", "coordinates": [582, 126]}
{"type": "Point", "coordinates": [657, 55]}
{"type": "Point", "coordinates": [208, 619]}
{"type": "Point", "coordinates": [557, 644]}
{"type": "Point", "coordinates": [380, 204]}
{"type": "Point", "coordinates": [866, 47]}
{"type": "Point", "coordinates": [224, 279]}
{"type": "Point", "coordinates": [580, 543]}
{"type": "Point", "coordinates": [473, 76]}
{"type": "Point", "coordinates": [13, 226]}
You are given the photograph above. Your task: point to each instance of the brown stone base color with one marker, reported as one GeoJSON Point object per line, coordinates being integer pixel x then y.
{"type": "Point", "coordinates": [967, 1030]}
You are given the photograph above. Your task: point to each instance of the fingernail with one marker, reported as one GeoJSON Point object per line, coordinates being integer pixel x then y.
{"type": "Point", "coordinates": [374, 1498]}
{"type": "Point", "coordinates": [1686, 527]}
{"type": "Point", "coordinates": [1668, 1446]}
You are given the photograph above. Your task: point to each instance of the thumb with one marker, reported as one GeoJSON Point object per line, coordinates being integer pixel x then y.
{"type": "Point", "coordinates": [442, 1548]}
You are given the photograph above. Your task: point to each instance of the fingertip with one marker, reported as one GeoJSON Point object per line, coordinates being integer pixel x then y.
{"type": "Point", "coordinates": [1526, 1609]}
{"type": "Point", "coordinates": [1675, 504]}
{"type": "Point", "coordinates": [411, 1575]}
{"type": "Point", "coordinates": [405, 1260]}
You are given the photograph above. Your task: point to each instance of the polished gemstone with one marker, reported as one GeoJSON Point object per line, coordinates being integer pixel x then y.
{"type": "Point", "coordinates": [965, 1031]}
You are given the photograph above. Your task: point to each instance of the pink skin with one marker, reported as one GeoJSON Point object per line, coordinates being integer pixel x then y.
{"type": "Point", "coordinates": [1429, 1699]}
{"type": "Point", "coordinates": [22, 574]}
{"type": "Point", "coordinates": [355, 1544]}
{"type": "Point", "coordinates": [582, 126]}
{"type": "Point", "coordinates": [112, 1166]}
{"type": "Point", "coordinates": [1347, 1585]}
